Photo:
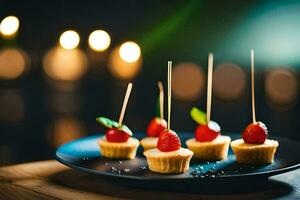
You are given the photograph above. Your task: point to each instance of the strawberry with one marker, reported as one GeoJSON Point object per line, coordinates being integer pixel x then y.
{"type": "Point", "coordinates": [116, 135]}
{"type": "Point", "coordinates": [168, 140]}
{"type": "Point", "coordinates": [255, 133]}
{"type": "Point", "coordinates": [156, 126]}
{"type": "Point", "coordinates": [204, 134]}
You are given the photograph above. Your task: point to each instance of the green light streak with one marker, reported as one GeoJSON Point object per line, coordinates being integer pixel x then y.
{"type": "Point", "coordinates": [272, 30]}
{"type": "Point", "coordinates": [163, 30]}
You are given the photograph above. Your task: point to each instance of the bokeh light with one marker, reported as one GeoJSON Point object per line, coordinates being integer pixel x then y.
{"type": "Point", "coordinates": [229, 81]}
{"type": "Point", "coordinates": [9, 26]}
{"type": "Point", "coordinates": [187, 81]}
{"type": "Point", "coordinates": [121, 69]}
{"type": "Point", "coordinates": [65, 65]}
{"type": "Point", "coordinates": [12, 106]}
{"type": "Point", "coordinates": [13, 63]}
{"type": "Point", "coordinates": [130, 52]}
{"type": "Point", "coordinates": [65, 130]}
{"type": "Point", "coordinates": [64, 101]}
{"type": "Point", "coordinates": [99, 40]}
{"type": "Point", "coordinates": [281, 86]}
{"type": "Point", "coordinates": [69, 39]}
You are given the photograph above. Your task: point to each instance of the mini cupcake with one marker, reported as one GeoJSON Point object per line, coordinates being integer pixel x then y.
{"type": "Point", "coordinates": [255, 148]}
{"type": "Point", "coordinates": [156, 125]}
{"type": "Point", "coordinates": [208, 144]}
{"type": "Point", "coordinates": [117, 142]}
{"type": "Point", "coordinates": [169, 157]}
{"type": "Point", "coordinates": [214, 150]}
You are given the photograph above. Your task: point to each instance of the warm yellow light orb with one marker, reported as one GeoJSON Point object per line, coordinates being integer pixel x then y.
{"type": "Point", "coordinates": [65, 65]}
{"type": "Point", "coordinates": [281, 86]}
{"type": "Point", "coordinates": [9, 26]}
{"type": "Point", "coordinates": [130, 52]}
{"type": "Point", "coordinates": [99, 40]}
{"type": "Point", "coordinates": [229, 81]}
{"type": "Point", "coordinates": [122, 69]}
{"type": "Point", "coordinates": [69, 39]}
{"type": "Point", "coordinates": [13, 63]}
{"type": "Point", "coordinates": [187, 81]}
{"type": "Point", "coordinates": [65, 130]}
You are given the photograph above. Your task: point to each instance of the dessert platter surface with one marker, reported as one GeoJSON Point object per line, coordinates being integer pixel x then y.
{"type": "Point", "coordinates": [83, 154]}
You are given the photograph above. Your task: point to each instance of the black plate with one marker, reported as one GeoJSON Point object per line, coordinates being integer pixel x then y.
{"type": "Point", "coordinates": [83, 154]}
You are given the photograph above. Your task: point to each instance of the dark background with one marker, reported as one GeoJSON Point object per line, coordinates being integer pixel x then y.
{"type": "Point", "coordinates": [37, 115]}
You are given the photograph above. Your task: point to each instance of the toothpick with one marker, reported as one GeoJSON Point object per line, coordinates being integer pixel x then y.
{"type": "Point", "coordinates": [128, 91]}
{"type": "Point", "coordinates": [252, 87]}
{"type": "Point", "coordinates": [169, 92]}
{"type": "Point", "coordinates": [209, 86]}
{"type": "Point", "coordinates": [161, 99]}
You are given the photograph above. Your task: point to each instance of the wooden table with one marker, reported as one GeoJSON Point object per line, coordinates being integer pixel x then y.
{"type": "Point", "coordinates": [52, 180]}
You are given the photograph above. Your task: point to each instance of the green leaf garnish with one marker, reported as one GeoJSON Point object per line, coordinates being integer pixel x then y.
{"type": "Point", "coordinates": [125, 129]}
{"type": "Point", "coordinates": [198, 116]}
{"type": "Point", "coordinates": [108, 123]}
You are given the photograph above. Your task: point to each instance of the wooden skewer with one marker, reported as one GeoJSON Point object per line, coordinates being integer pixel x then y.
{"type": "Point", "coordinates": [209, 86]}
{"type": "Point", "coordinates": [128, 91]}
{"type": "Point", "coordinates": [169, 92]}
{"type": "Point", "coordinates": [252, 87]}
{"type": "Point", "coordinates": [161, 99]}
